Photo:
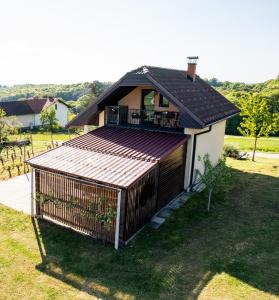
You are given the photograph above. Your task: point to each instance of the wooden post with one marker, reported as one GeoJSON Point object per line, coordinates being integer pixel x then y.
{"type": "Point", "coordinates": [32, 193]}
{"type": "Point", "coordinates": [117, 225]}
{"type": "Point", "coordinates": [24, 158]}
{"type": "Point", "coordinates": [31, 140]}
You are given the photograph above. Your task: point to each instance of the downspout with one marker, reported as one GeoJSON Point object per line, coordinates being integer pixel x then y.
{"type": "Point", "coordinates": [194, 153]}
{"type": "Point", "coordinates": [117, 225]}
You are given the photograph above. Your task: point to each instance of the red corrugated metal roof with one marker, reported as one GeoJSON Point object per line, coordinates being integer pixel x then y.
{"type": "Point", "coordinates": [115, 156]}
{"type": "Point", "coordinates": [116, 170]}
{"type": "Point", "coordinates": [127, 142]}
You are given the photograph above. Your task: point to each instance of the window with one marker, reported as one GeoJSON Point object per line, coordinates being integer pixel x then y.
{"type": "Point", "coordinates": [148, 100]}
{"type": "Point", "coordinates": [163, 102]}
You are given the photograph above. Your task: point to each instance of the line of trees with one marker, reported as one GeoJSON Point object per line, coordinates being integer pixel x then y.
{"type": "Point", "coordinates": [67, 92]}
{"type": "Point", "coordinates": [81, 94]}
{"type": "Point", "coordinates": [237, 91]}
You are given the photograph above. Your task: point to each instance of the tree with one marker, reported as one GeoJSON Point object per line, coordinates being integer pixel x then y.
{"type": "Point", "coordinates": [83, 102]}
{"type": "Point", "coordinates": [257, 118]}
{"type": "Point", "coordinates": [49, 121]}
{"type": "Point", "coordinates": [6, 127]}
{"type": "Point", "coordinates": [213, 177]}
{"type": "Point", "coordinates": [3, 128]}
{"type": "Point", "coordinates": [97, 88]}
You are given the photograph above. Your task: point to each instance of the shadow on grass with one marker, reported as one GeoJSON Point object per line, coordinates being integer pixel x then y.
{"type": "Point", "coordinates": [239, 237]}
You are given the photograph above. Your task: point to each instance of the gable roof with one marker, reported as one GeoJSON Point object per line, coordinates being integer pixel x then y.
{"type": "Point", "coordinates": [117, 156]}
{"type": "Point", "coordinates": [199, 104]}
{"type": "Point", "coordinates": [28, 106]}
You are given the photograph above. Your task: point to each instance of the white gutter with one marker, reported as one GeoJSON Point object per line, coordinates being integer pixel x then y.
{"type": "Point", "coordinates": [117, 225]}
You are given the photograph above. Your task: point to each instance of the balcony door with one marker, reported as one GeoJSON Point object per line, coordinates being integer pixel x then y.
{"type": "Point", "coordinates": [147, 100]}
{"type": "Point", "coordinates": [147, 106]}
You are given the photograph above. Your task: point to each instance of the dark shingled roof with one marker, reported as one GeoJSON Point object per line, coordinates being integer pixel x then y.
{"type": "Point", "coordinates": [27, 107]}
{"type": "Point", "coordinates": [199, 104]}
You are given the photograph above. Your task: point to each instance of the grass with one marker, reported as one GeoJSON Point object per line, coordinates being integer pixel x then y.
{"type": "Point", "coordinates": [41, 142]}
{"type": "Point", "coordinates": [246, 143]}
{"type": "Point", "coordinates": [230, 253]}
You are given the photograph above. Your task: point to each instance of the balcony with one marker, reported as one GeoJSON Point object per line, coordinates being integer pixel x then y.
{"type": "Point", "coordinates": [123, 116]}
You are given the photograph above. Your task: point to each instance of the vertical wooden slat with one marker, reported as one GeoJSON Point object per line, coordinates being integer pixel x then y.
{"type": "Point", "coordinates": [64, 189]}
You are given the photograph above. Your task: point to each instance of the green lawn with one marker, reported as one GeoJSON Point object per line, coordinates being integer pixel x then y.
{"type": "Point", "coordinates": [43, 137]}
{"type": "Point", "coordinates": [230, 253]}
{"type": "Point", "coordinates": [246, 143]}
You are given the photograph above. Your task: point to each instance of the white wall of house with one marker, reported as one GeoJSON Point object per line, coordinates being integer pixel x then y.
{"type": "Point", "coordinates": [37, 120]}
{"type": "Point", "coordinates": [23, 121]}
{"type": "Point", "coordinates": [208, 143]}
{"type": "Point", "coordinates": [61, 113]}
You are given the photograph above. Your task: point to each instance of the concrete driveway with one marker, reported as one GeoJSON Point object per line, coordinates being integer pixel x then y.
{"type": "Point", "coordinates": [16, 193]}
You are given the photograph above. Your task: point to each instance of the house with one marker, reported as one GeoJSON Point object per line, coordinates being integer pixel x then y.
{"type": "Point", "coordinates": [153, 123]}
{"type": "Point", "coordinates": [27, 112]}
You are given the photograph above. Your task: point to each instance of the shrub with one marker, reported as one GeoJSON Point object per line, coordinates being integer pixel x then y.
{"type": "Point", "coordinates": [230, 151]}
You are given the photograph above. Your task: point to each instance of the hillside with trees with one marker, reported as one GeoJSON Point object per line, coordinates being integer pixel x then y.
{"type": "Point", "coordinates": [235, 91]}
{"type": "Point", "coordinates": [67, 92]}
{"type": "Point", "coordinates": [79, 95]}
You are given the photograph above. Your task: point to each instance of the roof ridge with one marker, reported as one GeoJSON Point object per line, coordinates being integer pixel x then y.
{"type": "Point", "coordinates": [26, 100]}
{"type": "Point", "coordinates": [163, 68]}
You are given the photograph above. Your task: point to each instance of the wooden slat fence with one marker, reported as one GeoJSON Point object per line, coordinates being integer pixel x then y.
{"type": "Point", "coordinates": [86, 207]}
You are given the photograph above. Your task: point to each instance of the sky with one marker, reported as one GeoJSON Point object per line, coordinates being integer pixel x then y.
{"type": "Point", "coordinates": [70, 41]}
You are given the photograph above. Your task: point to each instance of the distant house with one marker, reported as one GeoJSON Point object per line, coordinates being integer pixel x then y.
{"type": "Point", "coordinates": [27, 112]}
{"type": "Point", "coordinates": [153, 123]}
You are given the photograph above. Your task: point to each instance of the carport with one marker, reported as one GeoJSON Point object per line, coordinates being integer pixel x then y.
{"type": "Point", "coordinates": [109, 182]}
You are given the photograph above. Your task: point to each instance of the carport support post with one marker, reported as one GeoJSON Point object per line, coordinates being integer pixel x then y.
{"type": "Point", "coordinates": [32, 192]}
{"type": "Point", "coordinates": [117, 225]}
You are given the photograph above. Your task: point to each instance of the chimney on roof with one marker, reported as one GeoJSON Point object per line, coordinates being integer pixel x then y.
{"type": "Point", "coordinates": [192, 65]}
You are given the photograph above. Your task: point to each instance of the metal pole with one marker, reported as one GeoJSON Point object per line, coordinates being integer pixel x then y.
{"type": "Point", "coordinates": [32, 193]}
{"type": "Point", "coordinates": [117, 225]}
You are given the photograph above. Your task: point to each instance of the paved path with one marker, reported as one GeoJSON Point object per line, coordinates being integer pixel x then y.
{"type": "Point", "coordinates": [16, 193]}
{"type": "Point", "coordinates": [265, 154]}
